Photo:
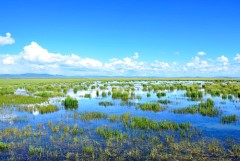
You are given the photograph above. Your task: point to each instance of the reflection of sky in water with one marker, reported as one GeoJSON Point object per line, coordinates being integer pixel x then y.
{"type": "Point", "coordinates": [211, 126]}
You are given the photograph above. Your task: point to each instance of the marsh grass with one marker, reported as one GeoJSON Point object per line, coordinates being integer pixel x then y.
{"type": "Point", "coordinates": [70, 103]}
{"type": "Point", "coordinates": [151, 107]}
{"type": "Point", "coordinates": [111, 134]}
{"type": "Point", "coordinates": [164, 101]}
{"type": "Point", "coordinates": [229, 119]}
{"type": "Point", "coordinates": [47, 94]}
{"type": "Point", "coordinates": [161, 94]}
{"type": "Point", "coordinates": [204, 108]}
{"type": "Point", "coordinates": [87, 95]}
{"type": "Point", "coordinates": [105, 103]}
{"type": "Point", "coordinates": [144, 123]}
{"type": "Point", "coordinates": [3, 146]}
{"type": "Point", "coordinates": [20, 99]}
{"type": "Point", "coordinates": [87, 116]}
{"type": "Point", "coordinates": [47, 109]}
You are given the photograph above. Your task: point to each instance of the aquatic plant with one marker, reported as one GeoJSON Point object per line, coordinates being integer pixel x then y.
{"type": "Point", "coordinates": [70, 103]}
{"type": "Point", "coordinates": [3, 146]}
{"type": "Point", "coordinates": [161, 94]}
{"type": "Point", "coordinates": [164, 101]}
{"type": "Point", "coordinates": [111, 134]}
{"type": "Point", "coordinates": [151, 107]}
{"type": "Point", "coordinates": [104, 94]}
{"type": "Point", "coordinates": [229, 119]}
{"type": "Point", "coordinates": [113, 118]}
{"type": "Point", "coordinates": [46, 109]}
{"type": "Point", "coordinates": [105, 103]}
{"type": "Point", "coordinates": [204, 108]}
{"type": "Point", "coordinates": [87, 95]}
{"type": "Point", "coordinates": [143, 123]}
{"type": "Point", "coordinates": [87, 116]}
{"type": "Point", "coordinates": [20, 99]}
{"type": "Point", "coordinates": [88, 149]}
{"type": "Point", "coordinates": [47, 94]}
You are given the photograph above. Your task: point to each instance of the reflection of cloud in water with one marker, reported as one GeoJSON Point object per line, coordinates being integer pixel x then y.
{"type": "Point", "coordinates": [20, 92]}
{"type": "Point", "coordinates": [35, 112]}
{"type": "Point", "coordinates": [222, 126]}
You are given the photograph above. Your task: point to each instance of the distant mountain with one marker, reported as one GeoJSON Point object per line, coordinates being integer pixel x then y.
{"type": "Point", "coordinates": [30, 75]}
{"type": "Point", "coordinates": [34, 75]}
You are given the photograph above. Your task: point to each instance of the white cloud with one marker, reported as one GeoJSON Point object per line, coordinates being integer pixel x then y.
{"type": "Point", "coordinates": [237, 58]}
{"type": "Point", "coordinates": [201, 53]}
{"type": "Point", "coordinates": [36, 59]}
{"type": "Point", "coordinates": [223, 60]}
{"type": "Point", "coordinates": [35, 53]}
{"type": "Point", "coordinates": [7, 40]}
{"type": "Point", "coordinates": [161, 65]}
{"type": "Point", "coordinates": [136, 55]}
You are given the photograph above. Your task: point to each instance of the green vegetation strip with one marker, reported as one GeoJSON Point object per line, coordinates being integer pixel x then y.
{"type": "Point", "coordinates": [204, 108]}
{"type": "Point", "coordinates": [19, 99]}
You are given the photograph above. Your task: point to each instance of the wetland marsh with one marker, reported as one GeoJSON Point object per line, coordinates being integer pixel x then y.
{"type": "Point", "coordinates": [119, 119]}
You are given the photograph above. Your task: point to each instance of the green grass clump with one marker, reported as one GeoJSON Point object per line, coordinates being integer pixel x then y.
{"type": "Point", "coordinates": [161, 94]}
{"type": "Point", "coordinates": [35, 150]}
{"type": "Point", "coordinates": [113, 118]}
{"type": "Point", "coordinates": [111, 134]}
{"type": "Point", "coordinates": [151, 107]}
{"type": "Point", "coordinates": [105, 103]}
{"type": "Point", "coordinates": [87, 116]}
{"type": "Point", "coordinates": [125, 118]}
{"type": "Point", "coordinates": [168, 125]}
{"type": "Point", "coordinates": [143, 123]}
{"type": "Point", "coordinates": [184, 126]}
{"type": "Point", "coordinates": [229, 119]}
{"type": "Point", "coordinates": [88, 150]}
{"type": "Point", "coordinates": [195, 94]}
{"type": "Point", "coordinates": [3, 146]}
{"type": "Point", "coordinates": [47, 109]}
{"type": "Point", "coordinates": [6, 91]}
{"type": "Point", "coordinates": [104, 94]}
{"type": "Point", "coordinates": [49, 94]}
{"type": "Point", "coordinates": [70, 103]}
{"type": "Point", "coordinates": [19, 99]}
{"type": "Point", "coordinates": [118, 94]}
{"type": "Point", "coordinates": [204, 108]}
{"type": "Point", "coordinates": [191, 110]}
{"type": "Point", "coordinates": [87, 95]}
{"type": "Point", "coordinates": [164, 101]}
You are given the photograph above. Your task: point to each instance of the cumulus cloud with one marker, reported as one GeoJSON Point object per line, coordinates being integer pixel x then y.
{"type": "Point", "coordinates": [201, 53]}
{"type": "Point", "coordinates": [6, 40]}
{"type": "Point", "coordinates": [35, 53]}
{"type": "Point", "coordinates": [36, 59]}
{"type": "Point", "coordinates": [223, 59]}
{"type": "Point", "coordinates": [237, 58]}
{"type": "Point", "coordinates": [9, 60]}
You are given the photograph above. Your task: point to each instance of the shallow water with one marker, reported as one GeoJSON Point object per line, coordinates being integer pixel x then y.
{"type": "Point", "coordinates": [211, 126]}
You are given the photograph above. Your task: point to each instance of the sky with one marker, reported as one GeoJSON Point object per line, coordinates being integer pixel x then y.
{"type": "Point", "coordinates": [160, 38]}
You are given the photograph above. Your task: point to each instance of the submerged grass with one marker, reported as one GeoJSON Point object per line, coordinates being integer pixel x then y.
{"type": "Point", "coordinates": [105, 103]}
{"type": "Point", "coordinates": [111, 134]}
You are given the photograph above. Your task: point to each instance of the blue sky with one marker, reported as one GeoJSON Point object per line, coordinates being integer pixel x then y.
{"type": "Point", "coordinates": [164, 38]}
